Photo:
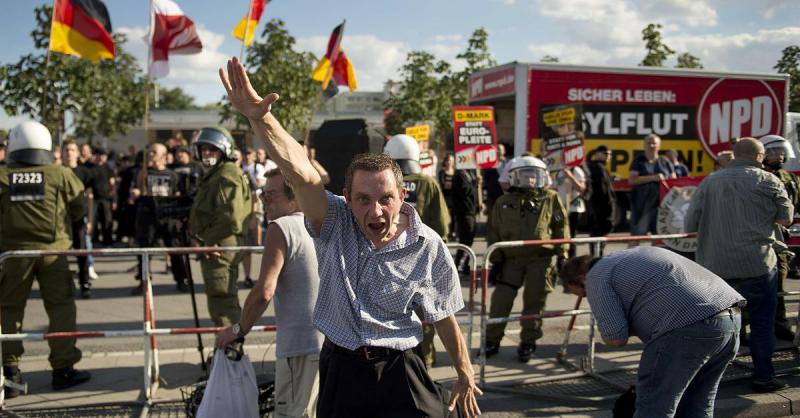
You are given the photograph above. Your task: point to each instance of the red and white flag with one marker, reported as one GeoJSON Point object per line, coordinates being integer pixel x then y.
{"type": "Point", "coordinates": [170, 32]}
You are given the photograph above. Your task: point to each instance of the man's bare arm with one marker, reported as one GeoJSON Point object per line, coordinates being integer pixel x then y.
{"type": "Point", "coordinates": [287, 153]}
{"type": "Point", "coordinates": [465, 390]}
{"type": "Point", "coordinates": [272, 261]}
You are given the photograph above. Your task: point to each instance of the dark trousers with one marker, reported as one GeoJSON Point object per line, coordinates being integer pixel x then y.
{"type": "Point", "coordinates": [574, 218]}
{"type": "Point", "coordinates": [465, 227]}
{"type": "Point", "coordinates": [79, 243]}
{"type": "Point", "coordinates": [103, 222]}
{"type": "Point", "coordinates": [392, 385]}
{"type": "Point", "coordinates": [149, 230]}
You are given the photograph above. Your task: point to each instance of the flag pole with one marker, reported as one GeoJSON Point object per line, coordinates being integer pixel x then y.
{"type": "Point", "coordinates": [140, 182]}
{"type": "Point", "coordinates": [47, 66]}
{"type": "Point", "coordinates": [246, 30]}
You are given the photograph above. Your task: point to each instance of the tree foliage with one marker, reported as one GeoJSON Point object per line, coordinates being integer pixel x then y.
{"type": "Point", "coordinates": [657, 51]}
{"type": "Point", "coordinates": [790, 64]}
{"type": "Point", "coordinates": [687, 60]}
{"type": "Point", "coordinates": [104, 98]}
{"type": "Point", "coordinates": [273, 65]}
{"type": "Point", "coordinates": [175, 99]}
{"type": "Point", "coordinates": [428, 88]}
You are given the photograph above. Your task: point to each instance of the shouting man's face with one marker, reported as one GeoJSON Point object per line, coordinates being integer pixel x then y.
{"type": "Point", "coordinates": [375, 200]}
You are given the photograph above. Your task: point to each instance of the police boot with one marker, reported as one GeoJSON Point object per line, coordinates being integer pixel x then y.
{"type": "Point", "coordinates": [525, 351]}
{"type": "Point", "coordinates": [491, 349]}
{"type": "Point", "coordinates": [68, 377]}
{"type": "Point", "coordinates": [13, 374]}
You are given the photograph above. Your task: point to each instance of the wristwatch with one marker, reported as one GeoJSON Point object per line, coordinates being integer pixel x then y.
{"type": "Point", "coordinates": [237, 329]}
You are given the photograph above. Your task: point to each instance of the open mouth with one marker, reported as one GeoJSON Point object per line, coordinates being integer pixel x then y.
{"type": "Point", "coordinates": [376, 227]}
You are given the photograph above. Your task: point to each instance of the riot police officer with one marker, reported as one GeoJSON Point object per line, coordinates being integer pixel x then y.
{"type": "Point", "coordinates": [777, 151]}
{"type": "Point", "coordinates": [529, 211]}
{"type": "Point", "coordinates": [424, 194]}
{"type": "Point", "coordinates": [217, 219]}
{"type": "Point", "coordinates": [39, 201]}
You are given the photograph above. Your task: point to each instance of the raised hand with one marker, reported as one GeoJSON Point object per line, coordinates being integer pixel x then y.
{"type": "Point", "coordinates": [241, 93]}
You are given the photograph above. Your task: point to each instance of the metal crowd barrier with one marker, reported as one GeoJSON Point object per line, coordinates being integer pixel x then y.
{"type": "Point", "coordinates": [586, 366]}
{"type": "Point", "coordinates": [149, 330]}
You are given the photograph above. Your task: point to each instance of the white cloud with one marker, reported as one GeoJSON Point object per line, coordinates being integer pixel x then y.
{"type": "Point", "coordinates": [771, 6]}
{"type": "Point", "coordinates": [599, 23]}
{"type": "Point", "coordinates": [374, 60]}
{"type": "Point", "coordinates": [456, 37]}
{"type": "Point", "coordinates": [693, 12]}
{"type": "Point", "coordinates": [757, 51]}
{"type": "Point", "coordinates": [743, 52]}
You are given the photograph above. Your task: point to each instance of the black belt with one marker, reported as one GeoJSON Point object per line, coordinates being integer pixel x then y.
{"type": "Point", "coordinates": [365, 352]}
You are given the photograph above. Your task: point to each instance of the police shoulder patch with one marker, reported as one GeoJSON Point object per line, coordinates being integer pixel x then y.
{"type": "Point", "coordinates": [26, 186]}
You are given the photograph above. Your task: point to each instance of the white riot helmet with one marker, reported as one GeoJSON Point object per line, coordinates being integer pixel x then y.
{"type": "Point", "coordinates": [528, 173]}
{"type": "Point", "coordinates": [777, 142]}
{"type": "Point", "coordinates": [405, 151]}
{"type": "Point", "coordinates": [30, 143]}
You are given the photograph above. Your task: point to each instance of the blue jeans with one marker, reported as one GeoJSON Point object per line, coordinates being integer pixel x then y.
{"type": "Point", "coordinates": [680, 371]}
{"type": "Point", "coordinates": [761, 293]}
{"type": "Point", "coordinates": [89, 246]}
{"type": "Point", "coordinates": [644, 221]}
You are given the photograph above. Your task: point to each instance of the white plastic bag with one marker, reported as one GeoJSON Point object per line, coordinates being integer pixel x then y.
{"type": "Point", "coordinates": [231, 390]}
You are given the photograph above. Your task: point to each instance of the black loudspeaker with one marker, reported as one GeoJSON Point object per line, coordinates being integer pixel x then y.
{"type": "Point", "coordinates": [336, 143]}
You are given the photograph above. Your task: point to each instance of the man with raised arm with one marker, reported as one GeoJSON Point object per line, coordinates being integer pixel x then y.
{"type": "Point", "coordinates": [377, 262]}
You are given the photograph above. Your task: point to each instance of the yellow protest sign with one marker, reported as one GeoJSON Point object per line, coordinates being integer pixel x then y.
{"type": "Point", "coordinates": [419, 132]}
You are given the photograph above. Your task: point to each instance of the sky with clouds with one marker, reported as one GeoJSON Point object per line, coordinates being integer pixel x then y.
{"type": "Point", "coordinates": [736, 35]}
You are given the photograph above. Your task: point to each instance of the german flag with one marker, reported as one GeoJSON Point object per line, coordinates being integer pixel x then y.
{"type": "Point", "coordinates": [335, 64]}
{"type": "Point", "coordinates": [83, 28]}
{"type": "Point", "coordinates": [250, 21]}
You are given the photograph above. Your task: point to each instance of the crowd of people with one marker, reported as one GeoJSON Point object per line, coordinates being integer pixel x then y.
{"type": "Point", "coordinates": [363, 281]}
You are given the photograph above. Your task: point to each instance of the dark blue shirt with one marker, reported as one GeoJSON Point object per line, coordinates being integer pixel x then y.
{"type": "Point", "coordinates": [649, 291]}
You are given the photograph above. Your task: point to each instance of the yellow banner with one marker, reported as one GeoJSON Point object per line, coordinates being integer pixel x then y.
{"type": "Point", "coordinates": [473, 116]}
{"type": "Point", "coordinates": [419, 132]}
{"type": "Point", "coordinates": [691, 152]}
{"type": "Point", "coordinates": [559, 117]}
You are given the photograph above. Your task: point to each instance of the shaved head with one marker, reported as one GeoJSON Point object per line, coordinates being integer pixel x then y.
{"type": "Point", "coordinates": [749, 149]}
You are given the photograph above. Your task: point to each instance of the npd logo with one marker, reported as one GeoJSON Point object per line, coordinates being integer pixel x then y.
{"type": "Point", "coordinates": [735, 108]}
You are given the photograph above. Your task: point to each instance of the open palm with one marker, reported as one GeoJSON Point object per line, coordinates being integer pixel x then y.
{"type": "Point", "coordinates": [241, 93]}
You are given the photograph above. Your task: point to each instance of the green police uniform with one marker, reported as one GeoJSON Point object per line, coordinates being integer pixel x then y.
{"type": "Point", "coordinates": [792, 185]}
{"type": "Point", "coordinates": [425, 195]}
{"type": "Point", "coordinates": [37, 207]}
{"type": "Point", "coordinates": [525, 214]}
{"type": "Point", "coordinates": [220, 207]}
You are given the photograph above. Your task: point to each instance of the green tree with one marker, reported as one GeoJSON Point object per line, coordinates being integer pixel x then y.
{"type": "Point", "coordinates": [549, 58]}
{"type": "Point", "coordinates": [790, 64]}
{"type": "Point", "coordinates": [687, 60]}
{"type": "Point", "coordinates": [420, 94]}
{"type": "Point", "coordinates": [429, 88]}
{"type": "Point", "coordinates": [175, 99]}
{"type": "Point", "coordinates": [104, 98]}
{"type": "Point", "coordinates": [657, 51]}
{"type": "Point", "coordinates": [273, 65]}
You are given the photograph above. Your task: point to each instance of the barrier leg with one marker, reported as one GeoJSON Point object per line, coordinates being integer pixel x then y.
{"type": "Point", "coordinates": [148, 361]}
{"type": "Point", "coordinates": [590, 348]}
{"type": "Point", "coordinates": [562, 353]}
{"type": "Point", "coordinates": [2, 375]}
{"type": "Point", "coordinates": [471, 305]}
{"type": "Point", "coordinates": [482, 355]}
{"type": "Point", "coordinates": [155, 376]}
